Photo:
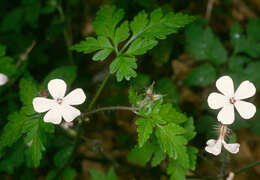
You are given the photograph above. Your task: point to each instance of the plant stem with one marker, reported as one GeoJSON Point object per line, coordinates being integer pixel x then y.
{"type": "Point", "coordinates": [223, 165]}
{"type": "Point", "coordinates": [110, 108]}
{"type": "Point", "coordinates": [98, 92]}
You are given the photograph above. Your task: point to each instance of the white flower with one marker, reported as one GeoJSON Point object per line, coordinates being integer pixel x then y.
{"type": "Point", "coordinates": [59, 106]}
{"type": "Point", "coordinates": [3, 79]}
{"type": "Point", "coordinates": [228, 99]}
{"type": "Point", "coordinates": [215, 146]}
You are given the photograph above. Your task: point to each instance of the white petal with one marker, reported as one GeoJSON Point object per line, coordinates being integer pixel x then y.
{"type": "Point", "coordinates": [41, 104]}
{"type": "Point", "coordinates": [226, 86]}
{"type": "Point", "coordinates": [214, 148]}
{"type": "Point", "coordinates": [75, 97]}
{"type": "Point", "coordinates": [3, 79]}
{"type": "Point", "coordinates": [57, 88]}
{"type": "Point", "coordinates": [227, 114]}
{"type": "Point", "coordinates": [245, 109]}
{"type": "Point", "coordinates": [211, 142]}
{"type": "Point", "coordinates": [69, 113]}
{"type": "Point", "coordinates": [53, 116]}
{"type": "Point", "coordinates": [232, 148]}
{"type": "Point", "coordinates": [245, 90]}
{"type": "Point", "coordinates": [216, 100]}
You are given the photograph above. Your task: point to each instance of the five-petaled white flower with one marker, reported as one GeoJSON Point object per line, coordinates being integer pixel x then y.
{"type": "Point", "coordinates": [3, 79]}
{"type": "Point", "coordinates": [215, 146]}
{"type": "Point", "coordinates": [229, 99]}
{"type": "Point", "coordinates": [59, 106]}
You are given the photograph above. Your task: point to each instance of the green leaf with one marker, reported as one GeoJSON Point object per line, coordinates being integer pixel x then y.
{"type": "Point", "coordinates": [201, 76]}
{"type": "Point", "coordinates": [91, 44]}
{"type": "Point", "coordinates": [97, 175]}
{"type": "Point", "coordinates": [171, 115]}
{"type": "Point", "coordinates": [142, 155]}
{"type": "Point", "coordinates": [15, 16]}
{"type": "Point", "coordinates": [12, 130]}
{"type": "Point", "coordinates": [145, 129]}
{"type": "Point", "coordinates": [67, 73]}
{"type": "Point", "coordinates": [160, 25]}
{"type": "Point", "coordinates": [2, 50]}
{"type": "Point", "coordinates": [28, 91]}
{"type": "Point", "coordinates": [192, 152]}
{"type": "Point", "coordinates": [238, 40]}
{"type": "Point", "coordinates": [190, 129]}
{"type": "Point", "coordinates": [102, 54]}
{"type": "Point", "coordinates": [122, 32]}
{"type": "Point", "coordinates": [124, 67]}
{"type": "Point", "coordinates": [158, 157]}
{"type": "Point", "coordinates": [62, 157]}
{"type": "Point", "coordinates": [170, 138]}
{"type": "Point", "coordinates": [69, 173]}
{"type": "Point", "coordinates": [106, 21]}
{"type": "Point", "coordinates": [141, 46]}
{"type": "Point", "coordinates": [202, 44]}
{"type": "Point", "coordinates": [176, 171]}
{"type": "Point", "coordinates": [13, 158]}
{"type": "Point", "coordinates": [139, 23]}
{"type": "Point", "coordinates": [6, 65]}
{"type": "Point", "coordinates": [237, 63]}
{"type": "Point", "coordinates": [36, 130]}
{"type": "Point", "coordinates": [249, 73]}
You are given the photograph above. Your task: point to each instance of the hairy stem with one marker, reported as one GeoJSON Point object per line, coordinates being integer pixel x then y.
{"type": "Point", "coordinates": [111, 108]}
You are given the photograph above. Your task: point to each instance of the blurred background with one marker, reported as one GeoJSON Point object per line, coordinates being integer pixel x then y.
{"type": "Point", "coordinates": [224, 40]}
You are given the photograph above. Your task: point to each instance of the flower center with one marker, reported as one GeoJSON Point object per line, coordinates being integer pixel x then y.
{"type": "Point", "coordinates": [232, 100]}
{"type": "Point", "coordinates": [59, 100]}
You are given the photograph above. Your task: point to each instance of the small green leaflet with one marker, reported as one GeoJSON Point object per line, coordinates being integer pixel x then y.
{"type": "Point", "coordinates": [171, 139]}
{"type": "Point", "coordinates": [176, 171]}
{"type": "Point", "coordinates": [141, 46]}
{"type": "Point", "coordinates": [160, 25]}
{"type": "Point", "coordinates": [192, 152]}
{"type": "Point", "coordinates": [145, 129]}
{"type": "Point", "coordinates": [7, 66]}
{"type": "Point", "coordinates": [91, 44]}
{"type": "Point", "coordinates": [124, 67]}
{"type": "Point", "coordinates": [106, 21]}
{"type": "Point", "coordinates": [12, 130]}
{"type": "Point", "coordinates": [97, 175]}
{"type": "Point", "coordinates": [36, 130]}
{"type": "Point", "coordinates": [28, 90]}
{"type": "Point", "coordinates": [143, 155]}
{"type": "Point", "coordinates": [122, 33]}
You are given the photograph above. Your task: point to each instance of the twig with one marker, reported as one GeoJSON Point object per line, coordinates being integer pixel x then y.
{"type": "Point", "coordinates": [24, 55]}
